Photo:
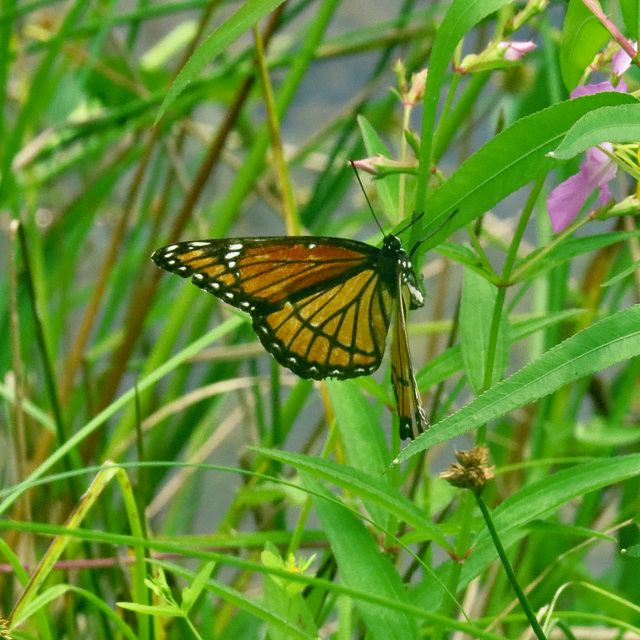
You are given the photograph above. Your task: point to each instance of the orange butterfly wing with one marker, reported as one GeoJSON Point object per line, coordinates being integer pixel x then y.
{"type": "Point", "coordinates": [262, 273]}
{"type": "Point", "coordinates": [321, 306]}
{"type": "Point", "coordinates": [337, 332]}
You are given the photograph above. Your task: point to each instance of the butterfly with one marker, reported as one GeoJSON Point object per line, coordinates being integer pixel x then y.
{"type": "Point", "coordinates": [320, 305]}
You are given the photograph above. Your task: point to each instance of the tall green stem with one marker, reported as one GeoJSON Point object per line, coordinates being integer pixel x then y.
{"type": "Point", "coordinates": [500, 297]}
{"type": "Point", "coordinates": [535, 625]}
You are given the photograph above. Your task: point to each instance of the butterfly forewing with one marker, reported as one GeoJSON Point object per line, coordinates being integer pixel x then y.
{"type": "Point", "coordinates": [263, 273]}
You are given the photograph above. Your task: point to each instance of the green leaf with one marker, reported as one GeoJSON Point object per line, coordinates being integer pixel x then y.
{"type": "Point", "coordinates": [170, 610]}
{"type": "Point", "coordinates": [633, 552]}
{"type": "Point", "coordinates": [466, 257]}
{"type": "Point", "coordinates": [363, 567]}
{"type": "Point", "coordinates": [191, 593]}
{"type": "Point", "coordinates": [460, 18]}
{"type": "Point", "coordinates": [389, 186]}
{"type": "Point", "coordinates": [449, 362]}
{"type": "Point", "coordinates": [251, 605]}
{"type": "Point", "coordinates": [623, 274]}
{"type": "Point", "coordinates": [509, 161]}
{"type": "Point", "coordinates": [567, 250]}
{"type": "Point", "coordinates": [554, 529]}
{"type": "Point", "coordinates": [631, 17]}
{"type": "Point", "coordinates": [612, 340]}
{"type": "Point", "coordinates": [359, 426]}
{"type": "Point", "coordinates": [607, 124]}
{"type": "Point", "coordinates": [368, 487]}
{"type": "Point", "coordinates": [476, 313]}
{"type": "Point", "coordinates": [282, 597]}
{"type": "Point", "coordinates": [599, 433]}
{"type": "Point", "coordinates": [362, 435]}
{"type": "Point", "coordinates": [582, 37]}
{"type": "Point", "coordinates": [443, 366]}
{"type": "Point", "coordinates": [249, 13]}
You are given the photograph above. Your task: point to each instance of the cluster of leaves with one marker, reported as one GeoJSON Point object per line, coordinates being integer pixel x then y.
{"type": "Point", "coordinates": [116, 411]}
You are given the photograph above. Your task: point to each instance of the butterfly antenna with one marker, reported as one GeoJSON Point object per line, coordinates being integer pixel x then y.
{"type": "Point", "coordinates": [431, 234]}
{"type": "Point", "coordinates": [410, 223]}
{"type": "Point", "coordinates": [352, 163]}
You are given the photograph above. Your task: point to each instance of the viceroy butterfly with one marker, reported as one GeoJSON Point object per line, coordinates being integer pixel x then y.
{"type": "Point", "coordinates": [321, 306]}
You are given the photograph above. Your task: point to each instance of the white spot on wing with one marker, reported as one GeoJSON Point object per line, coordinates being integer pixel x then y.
{"type": "Point", "coordinates": [231, 255]}
{"type": "Point", "coordinates": [199, 243]}
{"type": "Point", "coordinates": [235, 246]}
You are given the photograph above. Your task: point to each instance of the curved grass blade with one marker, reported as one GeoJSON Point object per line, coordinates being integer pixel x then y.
{"type": "Point", "coordinates": [230, 30]}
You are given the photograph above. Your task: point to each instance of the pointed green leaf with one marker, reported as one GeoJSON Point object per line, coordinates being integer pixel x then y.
{"type": "Point", "coordinates": [509, 161]}
{"type": "Point", "coordinates": [363, 566]}
{"type": "Point", "coordinates": [476, 314]}
{"type": "Point", "coordinates": [249, 13]}
{"type": "Point", "coordinates": [582, 37]}
{"type": "Point", "coordinates": [369, 487]}
{"type": "Point", "coordinates": [612, 340]}
{"type": "Point", "coordinates": [608, 124]}
{"type": "Point", "coordinates": [543, 498]}
{"type": "Point", "coordinates": [389, 186]}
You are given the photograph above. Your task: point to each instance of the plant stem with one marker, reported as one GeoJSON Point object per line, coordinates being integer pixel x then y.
{"type": "Point", "coordinates": [535, 625]}
{"type": "Point", "coordinates": [500, 297]}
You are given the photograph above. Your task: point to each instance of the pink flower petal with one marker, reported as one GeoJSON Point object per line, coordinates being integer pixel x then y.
{"type": "Point", "coordinates": [515, 50]}
{"type": "Point", "coordinates": [598, 87]}
{"type": "Point", "coordinates": [567, 199]}
{"type": "Point", "coordinates": [621, 60]}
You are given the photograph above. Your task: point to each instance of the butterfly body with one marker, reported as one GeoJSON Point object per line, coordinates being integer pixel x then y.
{"type": "Point", "coordinates": [321, 306]}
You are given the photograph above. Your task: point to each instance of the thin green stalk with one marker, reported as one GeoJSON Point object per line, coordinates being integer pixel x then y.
{"type": "Point", "coordinates": [500, 297]}
{"type": "Point", "coordinates": [73, 460]}
{"type": "Point", "coordinates": [19, 434]}
{"type": "Point", "coordinates": [60, 542]}
{"type": "Point", "coordinates": [482, 256]}
{"type": "Point", "coordinates": [517, 236]}
{"type": "Point", "coordinates": [291, 217]}
{"type": "Point", "coordinates": [299, 530]}
{"type": "Point", "coordinates": [524, 602]}
{"type": "Point", "coordinates": [521, 272]}
{"type": "Point", "coordinates": [255, 162]}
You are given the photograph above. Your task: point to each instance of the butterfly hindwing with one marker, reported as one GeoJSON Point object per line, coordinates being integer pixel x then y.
{"type": "Point", "coordinates": [410, 409]}
{"type": "Point", "coordinates": [339, 331]}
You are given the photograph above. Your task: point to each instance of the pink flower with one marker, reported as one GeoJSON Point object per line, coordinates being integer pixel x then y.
{"type": "Point", "coordinates": [513, 51]}
{"type": "Point", "coordinates": [566, 200]}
